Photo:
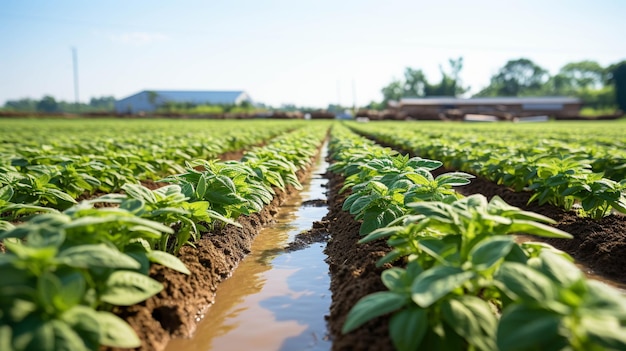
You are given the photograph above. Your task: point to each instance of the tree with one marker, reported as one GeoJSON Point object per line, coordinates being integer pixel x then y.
{"type": "Point", "coordinates": [21, 105]}
{"type": "Point", "coordinates": [48, 104]}
{"type": "Point", "coordinates": [583, 75]}
{"type": "Point", "coordinates": [576, 78]}
{"type": "Point", "coordinates": [393, 92]}
{"type": "Point", "coordinates": [415, 83]}
{"type": "Point", "coordinates": [105, 103]}
{"type": "Point", "coordinates": [517, 78]}
{"type": "Point", "coordinates": [617, 76]}
{"type": "Point", "coordinates": [450, 84]}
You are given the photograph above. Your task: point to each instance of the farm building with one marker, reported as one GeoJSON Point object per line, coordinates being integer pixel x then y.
{"type": "Point", "coordinates": [150, 100]}
{"type": "Point", "coordinates": [501, 107]}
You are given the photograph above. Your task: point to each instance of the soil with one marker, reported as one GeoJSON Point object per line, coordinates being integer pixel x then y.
{"type": "Point", "coordinates": [317, 234]}
{"type": "Point", "coordinates": [353, 274]}
{"type": "Point", "coordinates": [177, 309]}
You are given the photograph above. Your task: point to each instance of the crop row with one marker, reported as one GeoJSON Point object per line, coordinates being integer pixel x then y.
{"type": "Point", "coordinates": [40, 167]}
{"type": "Point", "coordinates": [63, 272]}
{"type": "Point", "coordinates": [459, 280]}
{"type": "Point", "coordinates": [584, 171]}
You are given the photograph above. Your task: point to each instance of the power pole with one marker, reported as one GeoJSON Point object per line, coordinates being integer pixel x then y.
{"type": "Point", "coordinates": [75, 62]}
{"type": "Point", "coordinates": [354, 108]}
{"type": "Point", "coordinates": [338, 94]}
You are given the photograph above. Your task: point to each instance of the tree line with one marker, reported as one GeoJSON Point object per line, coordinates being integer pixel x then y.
{"type": "Point", "coordinates": [49, 104]}
{"type": "Point", "coordinates": [600, 88]}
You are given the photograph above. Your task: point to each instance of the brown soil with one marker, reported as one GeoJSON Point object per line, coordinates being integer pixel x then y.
{"type": "Point", "coordinates": [318, 234]}
{"type": "Point", "coordinates": [353, 274]}
{"type": "Point", "coordinates": [176, 310]}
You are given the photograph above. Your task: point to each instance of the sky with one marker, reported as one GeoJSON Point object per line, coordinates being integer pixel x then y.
{"type": "Point", "coordinates": [308, 53]}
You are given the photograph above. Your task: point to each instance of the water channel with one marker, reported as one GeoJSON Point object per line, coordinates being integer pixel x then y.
{"type": "Point", "coordinates": [275, 299]}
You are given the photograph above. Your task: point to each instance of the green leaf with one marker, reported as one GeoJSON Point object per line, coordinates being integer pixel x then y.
{"type": "Point", "coordinates": [438, 248]}
{"type": "Point", "coordinates": [454, 179]}
{"type": "Point", "coordinates": [435, 283]}
{"type": "Point", "coordinates": [407, 328]}
{"type": "Point", "coordinates": [65, 338]}
{"type": "Point", "coordinates": [381, 233]}
{"type": "Point", "coordinates": [540, 229]}
{"type": "Point", "coordinates": [471, 318]}
{"type": "Point", "coordinates": [394, 279]}
{"type": "Point", "coordinates": [603, 299]}
{"type": "Point", "coordinates": [139, 192]}
{"type": "Point", "coordinates": [418, 179]}
{"type": "Point", "coordinates": [362, 203]}
{"type": "Point", "coordinates": [519, 281]}
{"type": "Point", "coordinates": [6, 337]}
{"type": "Point", "coordinates": [115, 332]}
{"type": "Point", "coordinates": [201, 187]}
{"type": "Point", "coordinates": [559, 269]}
{"type": "Point", "coordinates": [605, 331]}
{"type": "Point", "coordinates": [489, 251]}
{"type": "Point", "coordinates": [33, 334]}
{"type": "Point", "coordinates": [131, 205]}
{"type": "Point", "coordinates": [125, 288]}
{"type": "Point", "coordinates": [84, 321]}
{"type": "Point", "coordinates": [88, 256]}
{"type": "Point", "coordinates": [168, 260]}
{"type": "Point", "coordinates": [6, 193]}
{"type": "Point", "coordinates": [418, 162]}
{"type": "Point", "coordinates": [372, 306]}
{"type": "Point", "coordinates": [48, 286]}
{"type": "Point", "coordinates": [524, 328]}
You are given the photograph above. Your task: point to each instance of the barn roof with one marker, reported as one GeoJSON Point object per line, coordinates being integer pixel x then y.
{"type": "Point", "coordinates": [197, 96]}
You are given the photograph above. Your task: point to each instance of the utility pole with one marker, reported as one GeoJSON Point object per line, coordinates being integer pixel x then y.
{"type": "Point", "coordinates": [338, 94]}
{"type": "Point", "coordinates": [75, 63]}
{"type": "Point", "coordinates": [354, 98]}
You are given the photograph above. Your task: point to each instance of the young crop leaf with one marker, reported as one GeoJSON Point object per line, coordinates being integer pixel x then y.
{"type": "Point", "coordinates": [530, 227]}
{"type": "Point", "coordinates": [66, 338]}
{"type": "Point", "coordinates": [408, 327]}
{"type": "Point", "coordinates": [84, 321]}
{"type": "Point", "coordinates": [92, 256]}
{"type": "Point", "coordinates": [372, 306]}
{"type": "Point", "coordinates": [437, 282]}
{"type": "Point", "coordinates": [125, 288]}
{"type": "Point", "coordinates": [519, 281]}
{"type": "Point", "coordinates": [605, 331]}
{"type": "Point", "coordinates": [525, 328]}
{"type": "Point", "coordinates": [454, 179]}
{"type": "Point", "coordinates": [489, 251]}
{"type": "Point", "coordinates": [168, 260]}
{"type": "Point", "coordinates": [559, 269]}
{"type": "Point", "coordinates": [471, 318]}
{"type": "Point", "coordinates": [115, 332]}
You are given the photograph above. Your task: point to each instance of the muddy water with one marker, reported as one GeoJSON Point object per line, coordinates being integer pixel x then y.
{"type": "Point", "coordinates": [275, 300]}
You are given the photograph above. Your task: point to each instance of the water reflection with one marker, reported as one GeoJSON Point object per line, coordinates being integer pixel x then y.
{"type": "Point", "coordinates": [274, 300]}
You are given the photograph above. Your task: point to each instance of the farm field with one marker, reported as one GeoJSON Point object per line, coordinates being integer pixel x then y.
{"type": "Point", "coordinates": [118, 233]}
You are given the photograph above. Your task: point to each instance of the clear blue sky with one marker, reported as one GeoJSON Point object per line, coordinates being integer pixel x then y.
{"type": "Point", "coordinates": [308, 53]}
